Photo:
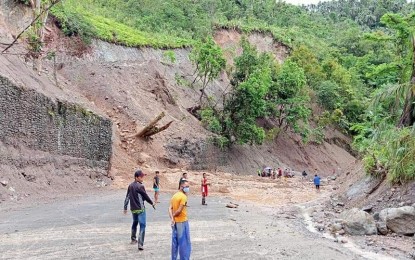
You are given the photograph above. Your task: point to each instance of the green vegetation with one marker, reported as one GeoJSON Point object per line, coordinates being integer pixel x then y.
{"type": "Point", "coordinates": [209, 62]}
{"type": "Point", "coordinates": [260, 88]}
{"type": "Point", "coordinates": [353, 58]}
{"type": "Point", "coordinates": [83, 18]}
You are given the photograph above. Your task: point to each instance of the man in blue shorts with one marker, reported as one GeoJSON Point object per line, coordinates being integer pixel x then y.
{"type": "Point", "coordinates": [156, 187]}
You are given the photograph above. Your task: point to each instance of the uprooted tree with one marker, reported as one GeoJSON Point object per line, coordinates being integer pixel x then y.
{"type": "Point", "coordinates": [151, 128]}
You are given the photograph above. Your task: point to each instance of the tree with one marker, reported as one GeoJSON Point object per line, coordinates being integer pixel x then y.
{"type": "Point", "coordinates": [328, 95]}
{"type": "Point", "coordinates": [209, 61]}
{"type": "Point", "coordinates": [36, 33]}
{"type": "Point", "coordinates": [246, 100]}
{"type": "Point", "coordinates": [404, 41]}
{"type": "Point", "coordinates": [288, 96]}
{"type": "Point", "coordinates": [246, 104]}
{"type": "Point", "coordinates": [308, 61]}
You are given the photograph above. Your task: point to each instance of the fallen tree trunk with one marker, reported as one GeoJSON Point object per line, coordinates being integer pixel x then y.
{"type": "Point", "coordinates": [156, 130]}
{"type": "Point", "coordinates": [151, 128]}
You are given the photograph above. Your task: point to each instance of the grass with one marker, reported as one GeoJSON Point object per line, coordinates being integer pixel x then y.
{"type": "Point", "coordinates": [110, 23]}
{"type": "Point", "coordinates": [109, 30]}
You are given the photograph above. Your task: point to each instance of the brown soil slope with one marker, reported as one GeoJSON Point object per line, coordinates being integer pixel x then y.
{"type": "Point", "coordinates": [131, 86]}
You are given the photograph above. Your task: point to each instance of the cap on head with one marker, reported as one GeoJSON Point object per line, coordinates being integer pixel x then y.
{"type": "Point", "coordinates": [139, 173]}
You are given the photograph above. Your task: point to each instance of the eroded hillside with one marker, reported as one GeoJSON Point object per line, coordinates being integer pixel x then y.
{"type": "Point", "coordinates": [131, 86]}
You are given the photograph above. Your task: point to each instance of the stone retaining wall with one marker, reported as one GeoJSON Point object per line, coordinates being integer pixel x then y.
{"type": "Point", "coordinates": [32, 120]}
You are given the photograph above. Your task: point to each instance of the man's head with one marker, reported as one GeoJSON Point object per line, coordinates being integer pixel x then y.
{"type": "Point", "coordinates": [204, 174]}
{"type": "Point", "coordinates": [185, 175]}
{"type": "Point", "coordinates": [157, 173]}
{"type": "Point", "coordinates": [315, 175]}
{"type": "Point", "coordinates": [139, 175]}
{"type": "Point", "coordinates": [184, 186]}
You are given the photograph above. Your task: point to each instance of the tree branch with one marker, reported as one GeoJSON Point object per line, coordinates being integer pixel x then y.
{"type": "Point", "coordinates": [27, 27]}
{"type": "Point", "coordinates": [151, 128]}
{"type": "Point", "coordinates": [156, 130]}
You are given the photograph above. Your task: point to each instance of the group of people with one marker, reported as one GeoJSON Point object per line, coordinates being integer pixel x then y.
{"type": "Point", "coordinates": [287, 173]}
{"type": "Point", "coordinates": [275, 173]}
{"type": "Point", "coordinates": [137, 195]}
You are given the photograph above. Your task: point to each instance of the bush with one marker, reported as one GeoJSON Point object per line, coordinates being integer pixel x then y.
{"type": "Point", "coordinates": [210, 121]}
{"type": "Point", "coordinates": [391, 150]}
{"type": "Point", "coordinates": [328, 96]}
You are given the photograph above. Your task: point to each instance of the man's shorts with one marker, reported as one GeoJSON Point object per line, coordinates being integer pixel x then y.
{"type": "Point", "coordinates": [156, 189]}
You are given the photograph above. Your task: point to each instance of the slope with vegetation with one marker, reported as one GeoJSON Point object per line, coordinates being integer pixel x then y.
{"type": "Point", "coordinates": [354, 58]}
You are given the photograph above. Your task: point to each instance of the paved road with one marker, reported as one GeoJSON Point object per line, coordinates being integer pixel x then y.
{"type": "Point", "coordinates": [95, 228]}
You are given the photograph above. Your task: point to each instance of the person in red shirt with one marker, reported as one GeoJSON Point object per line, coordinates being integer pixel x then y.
{"type": "Point", "coordinates": [204, 185]}
{"type": "Point", "coordinates": [279, 172]}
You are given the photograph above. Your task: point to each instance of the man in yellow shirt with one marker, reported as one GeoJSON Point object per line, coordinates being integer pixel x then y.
{"type": "Point", "coordinates": [180, 226]}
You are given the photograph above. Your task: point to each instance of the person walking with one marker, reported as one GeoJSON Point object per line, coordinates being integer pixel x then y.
{"type": "Point", "coordinates": [317, 182]}
{"type": "Point", "coordinates": [204, 186]}
{"type": "Point", "coordinates": [136, 195]}
{"type": "Point", "coordinates": [156, 187]}
{"type": "Point", "coordinates": [180, 226]}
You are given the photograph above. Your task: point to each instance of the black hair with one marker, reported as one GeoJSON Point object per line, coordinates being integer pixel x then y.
{"type": "Point", "coordinates": [138, 173]}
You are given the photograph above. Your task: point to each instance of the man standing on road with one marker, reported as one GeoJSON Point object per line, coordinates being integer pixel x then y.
{"type": "Point", "coordinates": [156, 187]}
{"type": "Point", "coordinates": [180, 226]}
{"type": "Point", "coordinates": [136, 195]}
{"type": "Point", "coordinates": [184, 177]}
{"type": "Point", "coordinates": [204, 184]}
{"type": "Point", "coordinates": [317, 182]}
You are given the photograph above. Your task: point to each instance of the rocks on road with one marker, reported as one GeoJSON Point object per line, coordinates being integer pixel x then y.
{"type": "Point", "coordinates": [399, 220]}
{"type": "Point", "coordinates": [358, 222]}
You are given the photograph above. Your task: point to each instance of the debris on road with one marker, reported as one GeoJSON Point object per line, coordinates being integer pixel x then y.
{"type": "Point", "coordinates": [232, 205]}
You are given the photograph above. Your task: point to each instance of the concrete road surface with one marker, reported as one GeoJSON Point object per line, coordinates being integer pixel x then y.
{"type": "Point", "coordinates": [94, 227]}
